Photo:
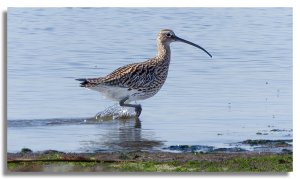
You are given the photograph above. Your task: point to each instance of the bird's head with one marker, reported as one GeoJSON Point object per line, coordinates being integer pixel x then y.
{"type": "Point", "coordinates": [167, 36]}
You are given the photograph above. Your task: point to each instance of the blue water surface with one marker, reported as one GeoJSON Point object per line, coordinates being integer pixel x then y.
{"type": "Point", "coordinates": [245, 90]}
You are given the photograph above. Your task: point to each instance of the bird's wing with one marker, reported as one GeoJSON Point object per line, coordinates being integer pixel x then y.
{"type": "Point", "coordinates": [129, 76]}
{"type": "Point", "coordinates": [115, 78]}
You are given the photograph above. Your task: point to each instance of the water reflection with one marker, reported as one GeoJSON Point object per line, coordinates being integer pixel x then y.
{"type": "Point", "coordinates": [124, 135]}
{"type": "Point", "coordinates": [123, 131]}
{"type": "Point", "coordinates": [81, 135]}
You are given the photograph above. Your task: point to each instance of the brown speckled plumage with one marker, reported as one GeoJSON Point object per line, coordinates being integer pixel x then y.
{"type": "Point", "coordinates": [138, 81]}
{"type": "Point", "coordinates": [148, 76]}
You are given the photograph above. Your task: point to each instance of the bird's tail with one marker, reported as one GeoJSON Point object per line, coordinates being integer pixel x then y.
{"type": "Point", "coordinates": [89, 82]}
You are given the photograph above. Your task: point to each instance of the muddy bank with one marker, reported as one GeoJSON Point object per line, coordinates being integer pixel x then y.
{"type": "Point", "coordinates": [267, 156]}
{"type": "Point", "coordinates": [137, 156]}
{"type": "Point", "coordinates": [53, 161]}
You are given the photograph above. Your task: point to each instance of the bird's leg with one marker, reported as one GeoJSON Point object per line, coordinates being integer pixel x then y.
{"type": "Point", "coordinates": [137, 107]}
{"type": "Point", "coordinates": [137, 123]}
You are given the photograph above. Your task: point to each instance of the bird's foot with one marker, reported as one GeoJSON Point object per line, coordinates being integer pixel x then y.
{"type": "Point", "coordinates": [138, 110]}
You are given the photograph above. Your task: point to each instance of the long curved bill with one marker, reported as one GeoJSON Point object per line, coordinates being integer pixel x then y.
{"type": "Point", "coordinates": [191, 43]}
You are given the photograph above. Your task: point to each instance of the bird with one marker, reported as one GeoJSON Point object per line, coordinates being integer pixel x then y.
{"type": "Point", "coordinates": [138, 81]}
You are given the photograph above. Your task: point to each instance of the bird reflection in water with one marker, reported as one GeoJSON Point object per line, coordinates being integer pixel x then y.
{"type": "Point", "coordinates": [121, 134]}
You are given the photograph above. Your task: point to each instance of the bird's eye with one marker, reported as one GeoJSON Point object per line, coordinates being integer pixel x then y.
{"type": "Point", "coordinates": [169, 35]}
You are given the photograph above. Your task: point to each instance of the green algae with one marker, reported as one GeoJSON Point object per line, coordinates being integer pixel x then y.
{"type": "Point", "coordinates": [200, 163]}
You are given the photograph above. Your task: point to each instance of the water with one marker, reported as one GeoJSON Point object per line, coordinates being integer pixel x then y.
{"type": "Point", "coordinates": [245, 89]}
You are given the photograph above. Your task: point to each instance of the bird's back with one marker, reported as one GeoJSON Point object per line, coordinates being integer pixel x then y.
{"type": "Point", "coordinates": [145, 78]}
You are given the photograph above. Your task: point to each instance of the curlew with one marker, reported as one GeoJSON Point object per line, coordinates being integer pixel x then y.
{"type": "Point", "coordinates": [138, 81]}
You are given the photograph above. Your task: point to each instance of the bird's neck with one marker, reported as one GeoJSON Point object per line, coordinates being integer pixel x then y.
{"type": "Point", "coordinates": [163, 52]}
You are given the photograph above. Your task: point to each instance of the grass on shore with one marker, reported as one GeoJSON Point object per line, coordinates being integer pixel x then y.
{"type": "Point", "coordinates": [253, 164]}
{"type": "Point", "coordinates": [258, 163]}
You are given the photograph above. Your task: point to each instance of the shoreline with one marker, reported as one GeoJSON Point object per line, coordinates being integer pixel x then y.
{"type": "Point", "coordinates": [138, 161]}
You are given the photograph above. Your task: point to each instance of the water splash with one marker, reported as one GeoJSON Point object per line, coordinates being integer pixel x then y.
{"type": "Point", "coordinates": [116, 112]}
{"type": "Point", "coordinates": [110, 113]}
{"type": "Point", "coordinates": [45, 122]}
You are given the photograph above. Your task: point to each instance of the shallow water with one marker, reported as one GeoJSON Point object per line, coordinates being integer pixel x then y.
{"type": "Point", "coordinates": [243, 92]}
